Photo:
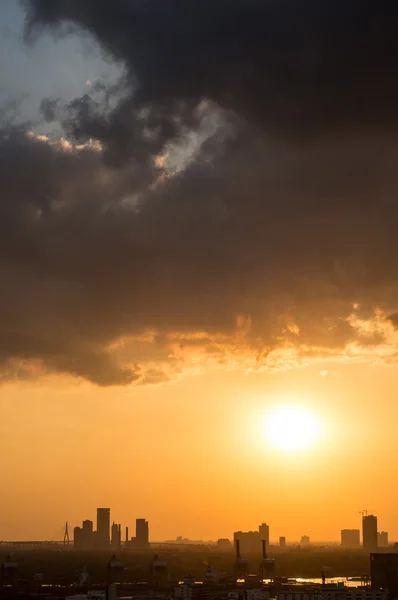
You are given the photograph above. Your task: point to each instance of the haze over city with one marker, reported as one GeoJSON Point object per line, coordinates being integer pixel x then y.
{"type": "Point", "coordinates": [198, 249]}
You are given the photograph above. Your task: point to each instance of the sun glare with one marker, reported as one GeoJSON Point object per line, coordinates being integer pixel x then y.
{"type": "Point", "coordinates": [291, 428]}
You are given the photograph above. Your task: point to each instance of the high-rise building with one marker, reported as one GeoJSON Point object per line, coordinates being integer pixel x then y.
{"type": "Point", "coordinates": [369, 532]}
{"type": "Point", "coordinates": [88, 526]}
{"type": "Point", "coordinates": [384, 572]}
{"type": "Point", "coordinates": [264, 533]}
{"type": "Point", "coordinates": [103, 527]}
{"type": "Point", "coordinates": [78, 538]}
{"type": "Point", "coordinates": [305, 541]}
{"type": "Point", "coordinates": [84, 537]}
{"type": "Point", "coordinates": [115, 535]}
{"type": "Point", "coordinates": [249, 541]}
{"type": "Point", "coordinates": [282, 542]}
{"type": "Point", "coordinates": [142, 533]}
{"type": "Point", "coordinates": [350, 538]}
{"type": "Point", "coordinates": [382, 539]}
{"type": "Point", "coordinates": [88, 534]}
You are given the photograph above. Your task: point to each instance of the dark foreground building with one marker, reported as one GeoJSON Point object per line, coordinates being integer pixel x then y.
{"type": "Point", "coordinates": [384, 572]}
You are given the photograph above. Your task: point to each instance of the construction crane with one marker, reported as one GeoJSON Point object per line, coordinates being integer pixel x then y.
{"type": "Point", "coordinates": [267, 565]}
{"type": "Point", "coordinates": [363, 513]}
{"type": "Point", "coordinates": [158, 571]}
{"type": "Point", "coordinates": [241, 564]}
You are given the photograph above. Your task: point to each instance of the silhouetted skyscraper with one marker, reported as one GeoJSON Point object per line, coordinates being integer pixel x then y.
{"type": "Point", "coordinates": [249, 541]}
{"type": "Point", "coordinates": [350, 538]}
{"type": "Point", "coordinates": [103, 526]}
{"type": "Point", "coordinates": [369, 532]}
{"type": "Point", "coordinates": [142, 533]}
{"type": "Point", "coordinates": [88, 534]}
{"type": "Point", "coordinates": [88, 526]}
{"type": "Point", "coordinates": [264, 533]}
{"type": "Point", "coordinates": [305, 541]}
{"type": "Point", "coordinates": [78, 538]}
{"type": "Point", "coordinates": [115, 536]}
{"type": "Point", "coordinates": [282, 542]}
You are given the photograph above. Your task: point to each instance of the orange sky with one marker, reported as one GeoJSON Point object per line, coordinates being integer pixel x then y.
{"type": "Point", "coordinates": [189, 456]}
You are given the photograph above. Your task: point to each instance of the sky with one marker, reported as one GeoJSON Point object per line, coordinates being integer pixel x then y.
{"type": "Point", "coordinates": [198, 231]}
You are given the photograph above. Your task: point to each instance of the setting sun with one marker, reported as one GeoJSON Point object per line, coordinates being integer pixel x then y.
{"type": "Point", "coordinates": [291, 428]}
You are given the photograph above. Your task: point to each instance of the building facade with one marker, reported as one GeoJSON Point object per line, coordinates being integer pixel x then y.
{"type": "Point", "coordinates": [334, 593]}
{"type": "Point", "coordinates": [382, 539]}
{"type": "Point", "coordinates": [354, 594]}
{"type": "Point", "coordinates": [249, 541]}
{"type": "Point", "coordinates": [103, 527]}
{"type": "Point", "coordinates": [350, 538]}
{"type": "Point", "coordinates": [303, 594]}
{"type": "Point", "coordinates": [384, 572]}
{"type": "Point", "coordinates": [263, 531]}
{"type": "Point", "coordinates": [369, 533]}
{"type": "Point", "coordinates": [190, 590]}
{"type": "Point", "coordinates": [249, 594]}
{"type": "Point", "coordinates": [116, 536]}
{"type": "Point", "coordinates": [141, 534]}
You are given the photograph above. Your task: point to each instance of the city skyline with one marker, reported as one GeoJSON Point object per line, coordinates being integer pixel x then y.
{"type": "Point", "coordinates": [108, 534]}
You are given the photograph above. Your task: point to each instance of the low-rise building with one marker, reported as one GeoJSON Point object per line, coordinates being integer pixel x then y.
{"type": "Point", "coordinates": [299, 594]}
{"type": "Point", "coordinates": [333, 592]}
{"type": "Point", "coordinates": [346, 593]}
{"type": "Point", "coordinates": [249, 594]}
{"type": "Point", "coordinates": [189, 590]}
{"type": "Point", "coordinates": [224, 544]}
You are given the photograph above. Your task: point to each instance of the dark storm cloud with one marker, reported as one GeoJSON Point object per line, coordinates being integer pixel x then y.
{"type": "Point", "coordinates": [118, 270]}
{"type": "Point", "coordinates": [294, 66]}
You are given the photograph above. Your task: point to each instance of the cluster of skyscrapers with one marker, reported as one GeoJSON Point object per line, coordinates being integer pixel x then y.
{"type": "Point", "coordinates": [107, 536]}
{"type": "Point", "coordinates": [371, 538]}
{"type": "Point", "coordinates": [110, 536]}
{"type": "Point", "coordinates": [250, 541]}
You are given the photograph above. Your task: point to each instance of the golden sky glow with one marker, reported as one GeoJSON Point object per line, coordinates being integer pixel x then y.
{"type": "Point", "coordinates": [67, 448]}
